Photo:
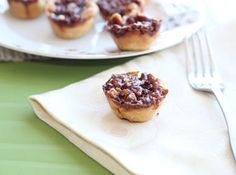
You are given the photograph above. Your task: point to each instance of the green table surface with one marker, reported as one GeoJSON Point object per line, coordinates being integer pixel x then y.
{"type": "Point", "coordinates": [28, 145]}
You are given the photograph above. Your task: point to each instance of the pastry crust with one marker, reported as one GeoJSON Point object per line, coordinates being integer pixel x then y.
{"type": "Point", "coordinates": [133, 97]}
{"type": "Point", "coordinates": [134, 41]}
{"type": "Point", "coordinates": [27, 10]}
{"type": "Point", "coordinates": [71, 32]}
{"type": "Point", "coordinates": [133, 36]}
{"type": "Point", "coordinates": [74, 29]}
{"type": "Point", "coordinates": [134, 115]}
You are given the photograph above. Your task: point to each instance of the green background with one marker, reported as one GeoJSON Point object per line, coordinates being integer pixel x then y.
{"type": "Point", "coordinates": [28, 145]}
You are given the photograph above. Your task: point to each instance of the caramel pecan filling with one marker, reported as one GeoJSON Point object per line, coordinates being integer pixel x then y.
{"type": "Point", "coordinates": [109, 7]}
{"type": "Point", "coordinates": [67, 12]}
{"type": "Point", "coordinates": [23, 1]}
{"type": "Point", "coordinates": [132, 90]}
{"type": "Point", "coordinates": [140, 24]}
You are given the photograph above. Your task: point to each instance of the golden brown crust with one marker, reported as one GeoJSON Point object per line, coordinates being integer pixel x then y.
{"type": "Point", "coordinates": [134, 41]}
{"type": "Point", "coordinates": [26, 11]}
{"type": "Point", "coordinates": [78, 28]}
{"type": "Point", "coordinates": [134, 115]}
{"type": "Point", "coordinates": [71, 32]}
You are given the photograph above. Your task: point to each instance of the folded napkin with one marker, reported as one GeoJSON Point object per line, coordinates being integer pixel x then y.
{"type": "Point", "coordinates": [188, 137]}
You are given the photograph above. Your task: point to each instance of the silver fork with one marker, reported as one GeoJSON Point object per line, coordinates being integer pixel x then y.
{"type": "Point", "coordinates": [202, 76]}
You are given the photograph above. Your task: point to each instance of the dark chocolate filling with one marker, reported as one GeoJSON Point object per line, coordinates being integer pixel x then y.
{"type": "Point", "coordinates": [109, 7]}
{"type": "Point", "coordinates": [140, 24]}
{"type": "Point", "coordinates": [131, 90]}
{"type": "Point", "coordinates": [68, 12]}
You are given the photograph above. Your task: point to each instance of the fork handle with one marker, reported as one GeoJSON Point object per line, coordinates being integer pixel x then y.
{"type": "Point", "coordinates": [229, 118]}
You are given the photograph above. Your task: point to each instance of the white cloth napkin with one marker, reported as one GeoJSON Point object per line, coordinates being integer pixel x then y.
{"type": "Point", "coordinates": [188, 137]}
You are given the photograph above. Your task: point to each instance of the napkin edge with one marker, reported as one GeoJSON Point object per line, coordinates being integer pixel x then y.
{"type": "Point", "coordinates": [92, 150]}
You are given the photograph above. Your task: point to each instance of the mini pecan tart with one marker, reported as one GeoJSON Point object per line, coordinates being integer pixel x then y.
{"type": "Point", "coordinates": [26, 9]}
{"type": "Point", "coordinates": [135, 33]}
{"type": "Point", "coordinates": [122, 7]}
{"type": "Point", "coordinates": [134, 96]}
{"type": "Point", "coordinates": [71, 18]}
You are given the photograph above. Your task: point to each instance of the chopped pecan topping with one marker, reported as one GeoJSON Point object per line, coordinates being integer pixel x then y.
{"type": "Point", "coordinates": [109, 7]}
{"type": "Point", "coordinates": [67, 12]}
{"type": "Point", "coordinates": [132, 90]}
{"type": "Point", "coordinates": [23, 1]}
{"type": "Point", "coordinates": [119, 27]}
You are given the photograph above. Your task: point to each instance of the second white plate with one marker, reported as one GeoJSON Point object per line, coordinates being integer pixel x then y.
{"type": "Point", "coordinates": [36, 37]}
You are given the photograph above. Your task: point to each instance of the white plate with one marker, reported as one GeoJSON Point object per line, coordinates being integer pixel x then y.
{"type": "Point", "coordinates": [36, 37]}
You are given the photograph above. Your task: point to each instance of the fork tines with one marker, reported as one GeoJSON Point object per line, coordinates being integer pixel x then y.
{"type": "Point", "coordinates": [200, 64]}
{"type": "Point", "coordinates": [199, 59]}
